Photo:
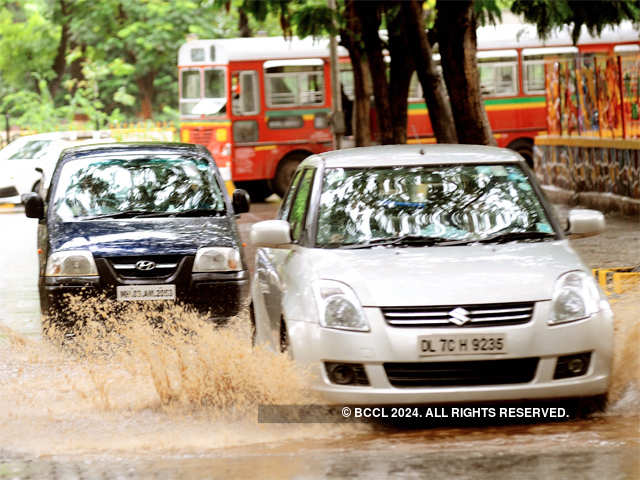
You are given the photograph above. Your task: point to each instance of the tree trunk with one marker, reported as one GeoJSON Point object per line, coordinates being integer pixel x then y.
{"type": "Point", "coordinates": [60, 62]}
{"type": "Point", "coordinates": [456, 26]}
{"type": "Point", "coordinates": [433, 88]}
{"type": "Point", "coordinates": [243, 24]}
{"type": "Point", "coordinates": [145, 87]}
{"type": "Point", "coordinates": [369, 14]}
{"type": "Point", "coordinates": [350, 39]}
{"type": "Point", "coordinates": [401, 70]}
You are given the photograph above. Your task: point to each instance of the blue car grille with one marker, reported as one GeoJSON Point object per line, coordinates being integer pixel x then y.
{"type": "Point", "coordinates": [145, 266]}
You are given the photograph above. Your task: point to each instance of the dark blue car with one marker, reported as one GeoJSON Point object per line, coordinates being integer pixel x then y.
{"type": "Point", "coordinates": [140, 222]}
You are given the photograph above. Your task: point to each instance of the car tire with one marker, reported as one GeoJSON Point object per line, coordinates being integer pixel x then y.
{"type": "Point", "coordinates": [284, 172]}
{"type": "Point", "coordinates": [524, 146]}
{"type": "Point", "coordinates": [284, 339]}
{"type": "Point", "coordinates": [258, 190]}
{"type": "Point", "coordinates": [589, 405]}
{"type": "Point", "coordinates": [252, 324]}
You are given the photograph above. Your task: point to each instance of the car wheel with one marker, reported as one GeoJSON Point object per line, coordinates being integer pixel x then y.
{"type": "Point", "coordinates": [284, 339]}
{"type": "Point", "coordinates": [524, 146]}
{"type": "Point", "coordinates": [590, 405]}
{"type": "Point", "coordinates": [285, 171]}
{"type": "Point", "coordinates": [252, 325]}
{"type": "Point", "coordinates": [258, 190]}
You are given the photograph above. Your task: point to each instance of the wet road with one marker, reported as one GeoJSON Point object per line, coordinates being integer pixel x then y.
{"type": "Point", "coordinates": [73, 417]}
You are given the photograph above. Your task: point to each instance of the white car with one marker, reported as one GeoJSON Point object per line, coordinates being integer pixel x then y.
{"type": "Point", "coordinates": [19, 159]}
{"type": "Point", "coordinates": [426, 274]}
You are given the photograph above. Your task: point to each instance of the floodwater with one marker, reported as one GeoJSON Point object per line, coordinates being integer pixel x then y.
{"type": "Point", "coordinates": [143, 403]}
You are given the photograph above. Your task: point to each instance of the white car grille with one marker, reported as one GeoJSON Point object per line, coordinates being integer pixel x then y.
{"type": "Point", "coordinates": [463, 316]}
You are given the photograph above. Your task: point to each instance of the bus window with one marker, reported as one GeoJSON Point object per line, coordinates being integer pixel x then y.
{"type": "Point", "coordinates": [197, 54]}
{"type": "Point", "coordinates": [311, 92]}
{"type": "Point", "coordinates": [190, 94]}
{"type": "Point", "coordinates": [498, 72]}
{"type": "Point", "coordinates": [214, 83]}
{"type": "Point", "coordinates": [346, 80]}
{"type": "Point", "coordinates": [533, 60]}
{"type": "Point", "coordinates": [246, 100]}
{"type": "Point", "coordinates": [292, 85]}
{"type": "Point", "coordinates": [533, 74]}
{"type": "Point", "coordinates": [245, 131]}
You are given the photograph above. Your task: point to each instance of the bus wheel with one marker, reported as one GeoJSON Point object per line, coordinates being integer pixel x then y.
{"type": "Point", "coordinates": [285, 171]}
{"type": "Point", "coordinates": [524, 146]}
{"type": "Point", "coordinates": [258, 190]}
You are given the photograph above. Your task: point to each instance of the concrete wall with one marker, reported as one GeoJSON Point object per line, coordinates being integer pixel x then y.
{"type": "Point", "coordinates": [599, 173]}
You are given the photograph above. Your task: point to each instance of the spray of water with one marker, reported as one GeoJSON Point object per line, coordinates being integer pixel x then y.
{"type": "Point", "coordinates": [136, 378]}
{"type": "Point", "coordinates": [624, 393]}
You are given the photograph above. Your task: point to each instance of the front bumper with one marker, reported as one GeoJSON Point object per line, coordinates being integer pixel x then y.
{"type": "Point", "coordinates": [215, 294]}
{"type": "Point", "coordinates": [313, 345]}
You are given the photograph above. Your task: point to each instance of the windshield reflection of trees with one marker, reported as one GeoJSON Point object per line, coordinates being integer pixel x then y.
{"type": "Point", "coordinates": [158, 185]}
{"type": "Point", "coordinates": [454, 202]}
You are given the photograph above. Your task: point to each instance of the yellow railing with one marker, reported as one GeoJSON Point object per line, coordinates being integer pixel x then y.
{"type": "Point", "coordinates": [618, 280]}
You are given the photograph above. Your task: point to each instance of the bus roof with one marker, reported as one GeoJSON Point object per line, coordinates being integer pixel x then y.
{"type": "Point", "coordinates": [501, 36]}
{"type": "Point", "coordinates": [521, 35]}
{"type": "Point", "coordinates": [254, 48]}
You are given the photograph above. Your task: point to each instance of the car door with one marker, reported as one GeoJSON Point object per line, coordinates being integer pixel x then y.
{"type": "Point", "coordinates": [271, 262]}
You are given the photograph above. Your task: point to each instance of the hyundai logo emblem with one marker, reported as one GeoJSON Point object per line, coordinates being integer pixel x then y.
{"type": "Point", "coordinates": [145, 265]}
{"type": "Point", "coordinates": [459, 316]}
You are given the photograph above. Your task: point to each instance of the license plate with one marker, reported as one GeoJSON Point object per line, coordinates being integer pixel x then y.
{"type": "Point", "coordinates": [145, 292]}
{"type": "Point", "coordinates": [461, 344]}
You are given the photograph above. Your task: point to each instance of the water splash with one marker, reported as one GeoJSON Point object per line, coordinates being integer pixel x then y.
{"type": "Point", "coordinates": [143, 380]}
{"type": "Point", "coordinates": [624, 393]}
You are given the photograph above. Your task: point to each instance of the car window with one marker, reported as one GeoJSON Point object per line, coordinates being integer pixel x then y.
{"type": "Point", "coordinates": [31, 150]}
{"type": "Point", "coordinates": [299, 206]}
{"type": "Point", "coordinates": [288, 198]}
{"type": "Point", "coordinates": [106, 185]}
{"type": "Point", "coordinates": [451, 202]}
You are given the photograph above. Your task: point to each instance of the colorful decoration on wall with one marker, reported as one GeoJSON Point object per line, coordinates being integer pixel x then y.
{"type": "Point", "coordinates": [594, 95]}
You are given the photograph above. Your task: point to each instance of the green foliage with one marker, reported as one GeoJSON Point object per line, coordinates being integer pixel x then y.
{"type": "Point", "coordinates": [315, 20]}
{"type": "Point", "coordinates": [595, 14]}
{"type": "Point", "coordinates": [28, 48]}
{"type": "Point", "coordinates": [488, 12]}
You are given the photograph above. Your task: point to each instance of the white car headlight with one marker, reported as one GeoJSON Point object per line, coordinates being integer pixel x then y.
{"type": "Point", "coordinates": [71, 263]}
{"type": "Point", "coordinates": [339, 307]}
{"type": "Point", "coordinates": [217, 259]}
{"type": "Point", "coordinates": [575, 297]}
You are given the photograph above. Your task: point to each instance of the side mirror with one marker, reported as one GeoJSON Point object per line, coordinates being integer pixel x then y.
{"type": "Point", "coordinates": [271, 233]}
{"type": "Point", "coordinates": [9, 192]}
{"type": "Point", "coordinates": [240, 201]}
{"type": "Point", "coordinates": [585, 222]}
{"type": "Point", "coordinates": [33, 205]}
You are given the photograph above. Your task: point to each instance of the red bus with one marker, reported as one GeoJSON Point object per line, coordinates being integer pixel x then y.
{"type": "Point", "coordinates": [261, 105]}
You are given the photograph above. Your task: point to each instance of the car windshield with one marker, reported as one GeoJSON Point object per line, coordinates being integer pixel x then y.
{"type": "Point", "coordinates": [438, 204]}
{"type": "Point", "coordinates": [124, 185]}
{"type": "Point", "coordinates": [31, 150]}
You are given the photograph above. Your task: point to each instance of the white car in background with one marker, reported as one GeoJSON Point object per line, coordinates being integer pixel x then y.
{"type": "Point", "coordinates": [19, 159]}
{"type": "Point", "coordinates": [426, 274]}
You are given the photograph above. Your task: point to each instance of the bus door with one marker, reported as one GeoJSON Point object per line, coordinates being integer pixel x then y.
{"type": "Point", "coordinates": [245, 101]}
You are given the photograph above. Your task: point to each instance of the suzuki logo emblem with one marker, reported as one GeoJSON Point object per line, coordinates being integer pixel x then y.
{"type": "Point", "coordinates": [459, 316]}
{"type": "Point", "coordinates": [145, 265]}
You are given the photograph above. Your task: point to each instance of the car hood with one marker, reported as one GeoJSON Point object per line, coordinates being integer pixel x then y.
{"type": "Point", "coordinates": [154, 236]}
{"type": "Point", "coordinates": [452, 275]}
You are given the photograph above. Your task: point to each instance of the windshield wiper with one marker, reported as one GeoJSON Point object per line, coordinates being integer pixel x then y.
{"type": "Point", "coordinates": [193, 212]}
{"type": "Point", "coordinates": [512, 236]}
{"type": "Point", "coordinates": [415, 240]}
{"type": "Point", "coordinates": [123, 214]}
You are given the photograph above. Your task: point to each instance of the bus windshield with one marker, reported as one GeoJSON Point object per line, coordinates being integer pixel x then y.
{"type": "Point", "coordinates": [203, 91]}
